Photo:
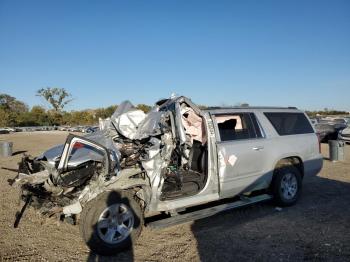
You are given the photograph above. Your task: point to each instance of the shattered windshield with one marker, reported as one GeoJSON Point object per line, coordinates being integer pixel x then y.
{"type": "Point", "coordinates": [82, 153]}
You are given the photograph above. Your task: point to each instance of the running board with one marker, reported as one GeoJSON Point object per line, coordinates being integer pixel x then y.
{"type": "Point", "coordinates": [207, 212]}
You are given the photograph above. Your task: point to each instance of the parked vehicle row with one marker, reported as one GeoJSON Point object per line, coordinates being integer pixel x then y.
{"type": "Point", "coordinates": [7, 130]}
{"type": "Point", "coordinates": [82, 129]}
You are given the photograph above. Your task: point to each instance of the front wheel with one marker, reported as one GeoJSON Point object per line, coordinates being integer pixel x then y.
{"type": "Point", "coordinates": [286, 185]}
{"type": "Point", "coordinates": [111, 222]}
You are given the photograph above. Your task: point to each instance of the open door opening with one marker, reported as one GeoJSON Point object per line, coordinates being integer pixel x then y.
{"type": "Point", "coordinates": [187, 173]}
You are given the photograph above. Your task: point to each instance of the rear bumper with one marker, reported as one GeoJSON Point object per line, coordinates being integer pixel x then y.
{"type": "Point", "coordinates": [313, 166]}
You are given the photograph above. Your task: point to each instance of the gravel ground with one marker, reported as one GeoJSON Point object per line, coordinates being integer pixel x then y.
{"type": "Point", "coordinates": [316, 229]}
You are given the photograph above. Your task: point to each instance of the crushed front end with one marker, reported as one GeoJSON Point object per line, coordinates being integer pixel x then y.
{"type": "Point", "coordinates": [159, 156]}
{"type": "Point", "coordinates": [59, 186]}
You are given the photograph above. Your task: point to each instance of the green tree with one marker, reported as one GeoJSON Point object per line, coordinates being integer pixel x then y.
{"type": "Point", "coordinates": [84, 117]}
{"type": "Point", "coordinates": [104, 112]}
{"type": "Point", "coordinates": [10, 103]}
{"type": "Point", "coordinates": [11, 108]}
{"type": "Point", "coordinates": [39, 114]}
{"type": "Point", "coordinates": [54, 117]}
{"type": "Point", "coordinates": [144, 108]}
{"type": "Point", "coordinates": [4, 117]}
{"type": "Point", "coordinates": [58, 98]}
{"type": "Point", "coordinates": [110, 110]}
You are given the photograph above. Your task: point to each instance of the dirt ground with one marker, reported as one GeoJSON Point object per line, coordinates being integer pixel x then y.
{"type": "Point", "coordinates": [316, 229]}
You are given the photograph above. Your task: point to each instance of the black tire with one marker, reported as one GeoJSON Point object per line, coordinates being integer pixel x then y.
{"type": "Point", "coordinates": [95, 208]}
{"type": "Point", "coordinates": [280, 175]}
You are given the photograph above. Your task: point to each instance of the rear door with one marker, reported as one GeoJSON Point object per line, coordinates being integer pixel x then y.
{"type": "Point", "coordinates": [296, 137]}
{"type": "Point", "coordinates": [240, 147]}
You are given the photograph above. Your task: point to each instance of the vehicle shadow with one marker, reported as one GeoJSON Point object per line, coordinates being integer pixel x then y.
{"type": "Point", "coordinates": [316, 228]}
{"type": "Point", "coordinates": [126, 255]}
{"type": "Point", "coordinates": [19, 152]}
{"type": "Point", "coordinates": [10, 169]}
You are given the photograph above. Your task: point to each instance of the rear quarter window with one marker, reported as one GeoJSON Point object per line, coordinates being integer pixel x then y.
{"type": "Point", "coordinates": [289, 123]}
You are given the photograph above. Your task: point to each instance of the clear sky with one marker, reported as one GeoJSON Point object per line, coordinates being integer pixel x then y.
{"type": "Point", "coordinates": [277, 53]}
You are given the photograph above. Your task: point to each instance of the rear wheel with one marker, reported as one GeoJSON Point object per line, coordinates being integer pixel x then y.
{"type": "Point", "coordinates": [286, 185]}
{"type": "Point", "coordinates": [111, 222]}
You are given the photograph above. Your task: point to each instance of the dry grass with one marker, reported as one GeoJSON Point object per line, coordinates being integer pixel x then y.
{"type": "Point", "coordinates": [316, 229]}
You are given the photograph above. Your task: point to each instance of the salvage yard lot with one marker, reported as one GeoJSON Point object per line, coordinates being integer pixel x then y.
{"type": "Point", "coordinates": [316, 229]}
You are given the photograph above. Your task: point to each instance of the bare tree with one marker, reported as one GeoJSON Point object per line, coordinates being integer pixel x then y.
{"type": "Point", "coordinates": [58, 98]}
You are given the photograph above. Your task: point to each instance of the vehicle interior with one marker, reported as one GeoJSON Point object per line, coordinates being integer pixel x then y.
{"type": "Point", "coordinates": [187, 173]}
{"type": "Point", "coordinates": [235, 127]}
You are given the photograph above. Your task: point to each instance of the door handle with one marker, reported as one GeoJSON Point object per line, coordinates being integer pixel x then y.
{"type": "Point", "coordinates": [258, 148]}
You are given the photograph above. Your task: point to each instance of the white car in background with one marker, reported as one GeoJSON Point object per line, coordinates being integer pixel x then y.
{"type": "Point", "coordinates": [344, 135]}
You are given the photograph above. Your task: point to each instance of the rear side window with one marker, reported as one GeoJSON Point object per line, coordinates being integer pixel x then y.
{"type": "Point", "coordinates": [237, 126]}
{"type": "Point", "coordinates": [289, 123]}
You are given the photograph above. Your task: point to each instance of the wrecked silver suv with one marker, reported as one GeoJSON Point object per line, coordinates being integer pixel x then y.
{"type": "Point", "coordinates": [162, 163]}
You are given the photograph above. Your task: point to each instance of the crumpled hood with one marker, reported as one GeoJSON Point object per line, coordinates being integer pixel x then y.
{"type": "Point", "coordinates": [125, 120]}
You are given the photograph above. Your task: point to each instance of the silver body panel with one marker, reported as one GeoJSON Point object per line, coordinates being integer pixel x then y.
{"type": "Point", "coordinates": [255, 159]}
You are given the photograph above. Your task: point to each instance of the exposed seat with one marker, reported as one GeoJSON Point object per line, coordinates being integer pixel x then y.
{"type": "Point", "coordinates": [227, 130]}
